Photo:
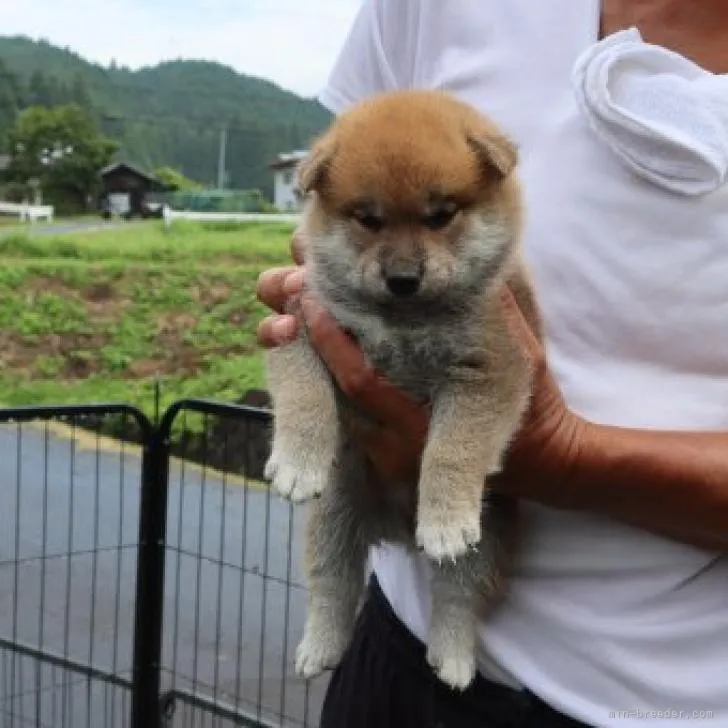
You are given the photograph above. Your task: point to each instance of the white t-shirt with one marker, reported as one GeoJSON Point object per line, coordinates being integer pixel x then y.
{"type": "Point", "coordinates": [633, 285]}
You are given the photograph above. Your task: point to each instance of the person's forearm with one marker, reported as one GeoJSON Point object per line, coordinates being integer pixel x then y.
{"type": "Point", "coordinates": [672, 483]}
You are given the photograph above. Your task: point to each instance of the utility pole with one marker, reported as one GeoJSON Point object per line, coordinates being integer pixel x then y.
{"type": "Point", "coordinates": [221, 172]}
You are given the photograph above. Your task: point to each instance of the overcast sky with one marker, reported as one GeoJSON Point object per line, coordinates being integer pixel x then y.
{"type": "Point", "coordinates": [291, 42]}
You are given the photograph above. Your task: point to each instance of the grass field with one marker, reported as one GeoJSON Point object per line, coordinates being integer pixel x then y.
{"type": "Point", "coordinates": [101, 316]}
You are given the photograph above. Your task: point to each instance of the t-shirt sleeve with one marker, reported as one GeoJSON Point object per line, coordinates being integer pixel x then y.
{"type": "Point", "coordinates": [377, 55]}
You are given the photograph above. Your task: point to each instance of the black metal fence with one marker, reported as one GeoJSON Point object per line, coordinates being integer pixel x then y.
{"type": "Point", "coordinates": [149, 581]}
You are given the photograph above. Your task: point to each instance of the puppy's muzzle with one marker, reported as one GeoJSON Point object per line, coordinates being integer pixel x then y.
{"type": "Point", "coordinates": [404, 279]}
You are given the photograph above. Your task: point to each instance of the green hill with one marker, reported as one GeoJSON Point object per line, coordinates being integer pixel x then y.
{"type": "Point", "coordinates": [167, 115]}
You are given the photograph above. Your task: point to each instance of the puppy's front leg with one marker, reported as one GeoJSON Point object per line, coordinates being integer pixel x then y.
{"type": "Point", "coordinates": [474, 417]}
{"type": "Point", "coordinates": [305, 423]}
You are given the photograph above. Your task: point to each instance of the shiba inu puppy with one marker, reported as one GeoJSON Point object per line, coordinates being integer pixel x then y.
{"type": "Point", "coordinates": [410, 229]}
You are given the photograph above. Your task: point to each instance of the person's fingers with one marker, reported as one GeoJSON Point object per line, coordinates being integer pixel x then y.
{"type": "Point", "coordinates": [271, 290]}
{"type": "Point", "coordinates": [356, 378]}
{"type": "Point", "coordinates": [337, 349]}
{"type": "Point", "coordinates": [297, 248]}
{"type": "Point", "coordinates": [293, 283]}
{"type": "Point", "coordinates": [277, 330]}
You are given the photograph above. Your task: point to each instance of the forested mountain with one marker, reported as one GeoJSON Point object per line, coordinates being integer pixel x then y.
{"type": "Point", "coordinates": [167, 115]}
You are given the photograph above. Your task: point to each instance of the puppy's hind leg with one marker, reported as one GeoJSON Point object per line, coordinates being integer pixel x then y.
{"type": "Point", "coordinates": [336, 552]}
{"type": "Point", "coordinates": [463, 590]}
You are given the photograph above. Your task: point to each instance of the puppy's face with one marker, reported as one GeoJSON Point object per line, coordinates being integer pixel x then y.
{"type": "Point", "coordinates": [411, 198]}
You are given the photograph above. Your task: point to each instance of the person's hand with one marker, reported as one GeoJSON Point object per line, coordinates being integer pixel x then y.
{"type": "Point", "coordinates": [547, 446]}
{"type": "Point", "coordinates": [544, 450]}
{"type": "Point", "coordinates": [279, 289]}
{"type": "Point", "coordinates": [541, 455]}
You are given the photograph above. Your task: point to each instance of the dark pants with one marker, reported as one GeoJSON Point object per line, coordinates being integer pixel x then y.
{"type": "Point", "coordinates": [384, 681]}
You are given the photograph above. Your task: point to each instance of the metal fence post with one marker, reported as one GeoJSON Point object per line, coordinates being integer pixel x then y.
{"type": "Point", "coordinates": [149, 611]}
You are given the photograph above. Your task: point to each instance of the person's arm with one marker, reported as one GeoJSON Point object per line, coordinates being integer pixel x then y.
{"type": "Point", "coordinates": [672, 483]}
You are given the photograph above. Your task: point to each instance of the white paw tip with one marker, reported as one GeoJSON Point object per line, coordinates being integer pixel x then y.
{"type": "Point", "coordinates": [270, 469]}
{"type": "Point", "coordinates": [308, 668]}
{"type": "Point", "coordinates": [456, 672]}
{"type": "Point", "coordinates": [293, 483]}
{"type": "Point", "coordinates": [442, 542]}
{"type": "Point", "coordinates": [313, 658]}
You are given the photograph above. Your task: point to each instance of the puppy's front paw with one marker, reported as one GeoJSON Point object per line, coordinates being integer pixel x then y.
{"type": "Point", "coordinates": [296, 479]}
{"type": "Point", "coordinates": [318, 652]}
{"type": "Point", "coordinates": [456, 668]}
{"type": "Point", "coordinates": [448, 535]}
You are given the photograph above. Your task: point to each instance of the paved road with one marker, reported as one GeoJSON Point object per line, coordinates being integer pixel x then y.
{"type": "Point", "coordinates": [231, 620]}
{"type": "Point", "coordinates": [66, 228]}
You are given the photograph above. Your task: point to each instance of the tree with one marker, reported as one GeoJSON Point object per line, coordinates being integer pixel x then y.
{"type": "Point", "coordinates": [40, 90]}
{"type": "Point", "coordinates": [79, 93]}
{"type": "Point", "coordinates": [10, 100]}
{"type": "Point", "coordinates": [175, 180]}
{"type": "Point", "coordinates": [63, 149]}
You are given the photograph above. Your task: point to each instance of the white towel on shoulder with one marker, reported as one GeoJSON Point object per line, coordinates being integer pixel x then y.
{"type": "Point", "coordinates": [665, 116]}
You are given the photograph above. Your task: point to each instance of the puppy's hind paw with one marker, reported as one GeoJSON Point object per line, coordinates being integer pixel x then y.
{"type": "Point", "coordinates": [314, 655]}
{"type": "Point", "coordinates": [456, 671]}
{"type": "Point", "coordinates": [293, 482]}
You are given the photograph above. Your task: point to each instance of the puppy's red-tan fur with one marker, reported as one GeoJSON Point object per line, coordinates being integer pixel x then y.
{"type": "Point", "coordinates": [410, 229]}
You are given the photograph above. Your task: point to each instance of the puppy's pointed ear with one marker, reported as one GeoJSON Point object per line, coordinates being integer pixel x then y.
{"type": "Point", "coordinates": [497, 154]}
{"type": "Point", "coordinates": [313, 170]}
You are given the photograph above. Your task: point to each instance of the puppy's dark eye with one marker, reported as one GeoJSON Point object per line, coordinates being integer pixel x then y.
{"type": "Point", "coordinates": [371, 222]}
{"type": "Point", "coordinates": [440, 218]}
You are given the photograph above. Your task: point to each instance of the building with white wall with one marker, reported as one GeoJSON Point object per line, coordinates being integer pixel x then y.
{"type": "Point", "coordinates": [286, 195]}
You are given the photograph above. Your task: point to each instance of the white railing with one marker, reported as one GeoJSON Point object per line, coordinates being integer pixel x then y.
{"type": "Point", "coordinates": [27, 212]}
{"type": "Point", "coordinates": [170, 216]}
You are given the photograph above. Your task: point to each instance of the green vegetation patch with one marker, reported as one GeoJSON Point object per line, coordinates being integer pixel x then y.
{"type": "Point", "coordinates": [102, 316]}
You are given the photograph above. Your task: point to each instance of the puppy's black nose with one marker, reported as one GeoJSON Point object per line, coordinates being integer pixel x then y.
{"type": "Point", "coordinates": [403, 284]}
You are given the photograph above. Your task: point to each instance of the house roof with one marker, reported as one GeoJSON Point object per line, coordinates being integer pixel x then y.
{"type": "Point", "coordinates": [115, 166]}
{"type": "Point", "coordinates": [289, 160]}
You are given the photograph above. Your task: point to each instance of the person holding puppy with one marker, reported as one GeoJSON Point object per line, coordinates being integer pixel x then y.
{"type": "Point", "coordinates": [617, 612]}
